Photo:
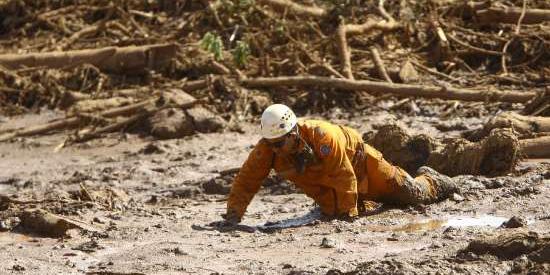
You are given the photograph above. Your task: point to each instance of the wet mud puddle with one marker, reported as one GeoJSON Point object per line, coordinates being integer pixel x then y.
{"type": "Point", "coordinates": [312, 218]}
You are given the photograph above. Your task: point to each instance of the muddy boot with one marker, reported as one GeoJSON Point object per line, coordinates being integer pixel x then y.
{"type": "Point", "coordinates": [443, 185]}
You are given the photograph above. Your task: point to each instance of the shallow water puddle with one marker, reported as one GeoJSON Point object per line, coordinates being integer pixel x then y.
{"type": "Point", "coordinates": [412, 226]}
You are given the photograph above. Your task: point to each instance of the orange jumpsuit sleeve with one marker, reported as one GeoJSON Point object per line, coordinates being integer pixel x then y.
{"type": "Point", "coordinates": [338, 174]}
{"type": "Point", "coordinates": [250, 177]}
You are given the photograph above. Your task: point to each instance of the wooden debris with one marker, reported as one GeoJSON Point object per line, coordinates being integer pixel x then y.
{"type": "Point", "coordinates": [296, 8]}
{"type": "Point", "coordinates": [345, 56]}
{"type": "Point", "coordinates": [133, 59]}
{"type": "Point", "coordinates": [95, 105]}
{"type": "Point", "coordinates": [380, 65]}
{"type": "Point", "coordinates": [393, 88]}
{"type": "Point", "coordinates": [512, 244]}
{"type": "Point", "coordinates": [536, 147]}
{"type": "Point", "coordinates": [511, 15]}
{"type": "Point", "coordinates": [47, 224]}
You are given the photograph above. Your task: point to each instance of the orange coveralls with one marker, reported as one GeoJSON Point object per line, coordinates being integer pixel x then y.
{"type": "Point", "coordinates": [347, 171]}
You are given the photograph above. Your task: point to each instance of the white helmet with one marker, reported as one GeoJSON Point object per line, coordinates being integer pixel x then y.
{"type": "Point", "coordinates": [277, 121]}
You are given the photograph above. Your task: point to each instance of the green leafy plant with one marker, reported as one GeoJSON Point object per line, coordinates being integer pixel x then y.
{"type": "Point", "coordinates": [241, 53]}
{"type": "Point", "coordinates": [212, 43]}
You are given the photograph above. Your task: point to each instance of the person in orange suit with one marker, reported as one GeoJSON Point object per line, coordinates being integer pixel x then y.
{"type": "Point", "coordinates": [332, 165]}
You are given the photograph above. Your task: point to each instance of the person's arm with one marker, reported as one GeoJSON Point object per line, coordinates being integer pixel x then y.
{"type": "Point", "coordinates": [249, 180]}
{"type": "Point", "coordinates": [339, 174]}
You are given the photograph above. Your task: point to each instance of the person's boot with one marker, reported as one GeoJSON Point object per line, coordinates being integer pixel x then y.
{"type": "Point", "coordinates": [444, 185]}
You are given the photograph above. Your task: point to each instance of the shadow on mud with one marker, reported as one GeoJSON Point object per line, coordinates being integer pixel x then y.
{"type": "Point", "coordinates": [311, 218]}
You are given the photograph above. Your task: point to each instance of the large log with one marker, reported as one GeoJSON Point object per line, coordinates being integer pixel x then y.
{"type": "Point", "coordinates": [536, 147]}
{"type": "Point", "coordinates": [132, 59]}
{"type": "Point", "coordinates": [393, 88]}
{"type": "Point", "coordinates": [512, 15]}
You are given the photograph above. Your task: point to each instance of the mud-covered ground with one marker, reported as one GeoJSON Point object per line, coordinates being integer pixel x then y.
{"type": "Point", "coordinates": [139, 205]}
{"type": "Point", "coordinates": [155, 207]}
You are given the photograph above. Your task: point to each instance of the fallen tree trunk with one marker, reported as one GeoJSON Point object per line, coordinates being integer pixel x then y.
{"type": "Point", "coordinates": [536, 147]}
{"type": "Point", "coordinates": [397, 89]}
{"type": "Point", "coordinates": [133, 59]}
{"type": "Point", "coordinates": [512, 15]}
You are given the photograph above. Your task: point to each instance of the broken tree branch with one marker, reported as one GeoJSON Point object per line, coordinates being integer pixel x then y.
{"type": "Point", "coordinates": [383, 11]}
{"type": "Point", "coordinates": [397, 89]}
{"type": "Point", "coordinates": [296, 8]}
{"type": "Point", "coordinates": [473, 48]}
{"type": "Point", "coordinates": [352, 29]}
{"type": "Point", "coordinates": [345, 56]}
{"type": "Point", "coordinates": [434, 72]}
{"type": "Point", "coordinates": [380, 65]}
{"type": "Point", "coordinates": [372, 25]}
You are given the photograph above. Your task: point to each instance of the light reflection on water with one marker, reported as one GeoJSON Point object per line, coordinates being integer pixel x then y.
{"type": "Point", "coordinates": [411, 226]}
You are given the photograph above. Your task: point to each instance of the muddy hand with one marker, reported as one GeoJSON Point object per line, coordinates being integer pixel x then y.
{"type": "Point", "coordinates": [231, 218]}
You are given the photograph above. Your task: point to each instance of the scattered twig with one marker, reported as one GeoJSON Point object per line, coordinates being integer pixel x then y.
{"type": "Point", "coordinates": [516, 33]}
{"type": "Point", "coordinates": [380, 64]}
{"type": "Point", "coordinates": [383, 11]}
{"type": "Point", "coordinates": [434, 72]}
{"type": "Point", "coordinates": [473, 48]}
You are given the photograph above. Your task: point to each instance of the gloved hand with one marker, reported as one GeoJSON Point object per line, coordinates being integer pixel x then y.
{"type": "Point", "coordinates": [231, 217]}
